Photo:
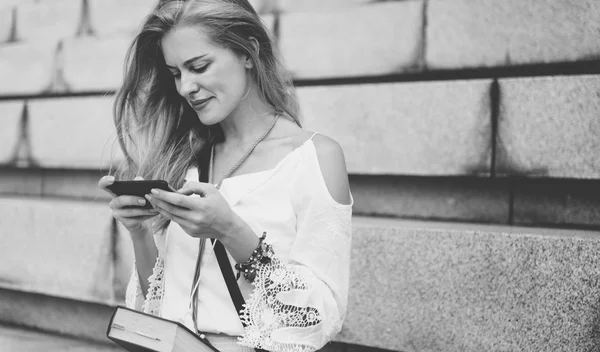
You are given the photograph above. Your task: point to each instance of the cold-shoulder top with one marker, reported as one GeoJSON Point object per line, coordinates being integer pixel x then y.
{"type": "Point", "coordinates": [298, 301]}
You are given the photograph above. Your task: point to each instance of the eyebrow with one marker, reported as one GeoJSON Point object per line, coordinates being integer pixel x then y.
{"type": "Point", "coordinates": [189, 61]}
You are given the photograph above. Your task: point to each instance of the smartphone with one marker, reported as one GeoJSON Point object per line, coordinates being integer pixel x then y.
{"type": "Point", "coordinates": [138, 188]}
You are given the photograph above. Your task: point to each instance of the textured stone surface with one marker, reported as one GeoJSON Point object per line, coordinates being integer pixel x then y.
{"type": "Point", "coordinates": [26, 68]}
{"type": "Point", "coordinates": [73, 132]}
{"type": "Point", "coordinates": [6, 23]}
{"type": "Point", "coordinates": [448, 198]}
{"type": "Point", "coordinates": [371, 40]}
{"type": "Point", "coordinates": [557, 202]}
{"type": "Point", "coordinates": [48, 20]}
{"type": "Point", "coordinates": [440, 128]}
{"type": "Point", "coordinates": [466, 33]}
{"type": "Point", "coordinates": [15, 181]}
{"type": "Point", "coordinates": [10, 116]}
{"type": "Point", "coordinates": [263, 6]}
{"type": "Point", "coordinates": [61, 248]}
{"type": "Point", "coordinates": [75, 184]}
{"type": "Point", "coordinates": [68, 317]}
{"type": "Point", "coordinates": [115, 16]}
{"type": "Point", "coordinates": [95, 63]}
{"type": "Point", "coordinates": [550, 127]}
{"type": "Point", "coordinates": [443, 287]}
{"type": "Point", "coordinates": [22, 340]}
{"type": "Point", "coordinates": [318, 5]}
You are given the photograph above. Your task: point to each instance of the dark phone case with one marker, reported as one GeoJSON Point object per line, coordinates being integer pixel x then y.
{"type": "Point", "coordinates": [138, 188]}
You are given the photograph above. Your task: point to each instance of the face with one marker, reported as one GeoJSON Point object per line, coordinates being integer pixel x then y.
{"type": "Point", "coordinates": [210, 77]}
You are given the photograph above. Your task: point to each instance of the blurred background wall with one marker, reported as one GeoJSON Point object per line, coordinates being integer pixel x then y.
{"type": "Point", "coordinates": [472, 136]}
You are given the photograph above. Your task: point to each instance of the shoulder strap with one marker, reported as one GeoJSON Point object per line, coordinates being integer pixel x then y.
{"type": "Point", "coordinates": [221, 253]}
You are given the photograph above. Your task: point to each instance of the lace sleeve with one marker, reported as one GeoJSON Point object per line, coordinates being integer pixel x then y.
{"type": "Point", "coordinates": [134, 297]}
{"type": "Point", "coordinates": [300, 305]}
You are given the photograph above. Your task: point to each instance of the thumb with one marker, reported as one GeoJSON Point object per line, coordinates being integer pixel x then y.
{"type": "Point", "coordinates": [199, 188]}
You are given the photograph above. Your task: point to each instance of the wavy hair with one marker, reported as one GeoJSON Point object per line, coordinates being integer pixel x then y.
{"type": "Point", "coordinates": [159, 133]}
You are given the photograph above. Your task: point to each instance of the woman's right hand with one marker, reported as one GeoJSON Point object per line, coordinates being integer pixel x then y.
{"type": "Point", "coordinates": [129, 210]}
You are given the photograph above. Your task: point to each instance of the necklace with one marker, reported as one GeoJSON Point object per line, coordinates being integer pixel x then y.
{"type": "Point", "coordinates": [242, 159]}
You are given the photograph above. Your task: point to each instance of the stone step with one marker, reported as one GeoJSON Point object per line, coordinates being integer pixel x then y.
{"type": "Point", "coordinates": [28, 340]}
{"type": "Point", "coordinates": [426, 286]}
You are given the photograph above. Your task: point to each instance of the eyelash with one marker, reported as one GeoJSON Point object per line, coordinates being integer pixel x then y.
{"type": "Point", "coordinates": [193, 69]}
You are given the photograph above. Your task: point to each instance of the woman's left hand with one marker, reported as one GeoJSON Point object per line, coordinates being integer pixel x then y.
{"type": "Point", "coordinates": [206, 216]}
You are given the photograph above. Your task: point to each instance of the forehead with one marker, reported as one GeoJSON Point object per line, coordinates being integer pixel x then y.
{"type": "Point", "coordinates": [183, 43]}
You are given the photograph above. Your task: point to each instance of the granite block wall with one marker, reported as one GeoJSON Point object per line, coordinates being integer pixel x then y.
{"type": "Point", "coordinates": [473, 112]}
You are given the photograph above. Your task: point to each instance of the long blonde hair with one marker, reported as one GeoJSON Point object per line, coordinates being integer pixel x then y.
{"type": "Point", "coordinates": [159, 133]}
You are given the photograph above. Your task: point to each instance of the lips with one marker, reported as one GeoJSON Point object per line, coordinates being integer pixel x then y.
{"type": "Point", "coordinates": [199, 103]}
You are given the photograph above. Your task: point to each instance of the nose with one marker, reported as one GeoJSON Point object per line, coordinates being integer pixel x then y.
{"type": "Point", "coordinates": [188, 86]}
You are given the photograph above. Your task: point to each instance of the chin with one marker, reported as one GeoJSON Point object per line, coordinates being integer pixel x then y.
{"type": "Point", "coordinates": [209, 119]}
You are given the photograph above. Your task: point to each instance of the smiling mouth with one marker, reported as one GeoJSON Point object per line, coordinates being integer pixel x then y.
{"type": "Point", "coordinates": [199, 104]}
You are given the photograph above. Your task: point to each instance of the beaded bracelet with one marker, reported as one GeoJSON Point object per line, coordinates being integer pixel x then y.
{"type": "Point", "coordinates": [261, 255]}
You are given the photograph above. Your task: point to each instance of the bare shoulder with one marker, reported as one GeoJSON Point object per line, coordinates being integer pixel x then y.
{"type": "Point", "coordinates": [333, 167]}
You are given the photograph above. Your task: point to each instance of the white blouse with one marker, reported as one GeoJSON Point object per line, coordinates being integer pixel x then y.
{"type": "Point", "coordinates": [298, 301]}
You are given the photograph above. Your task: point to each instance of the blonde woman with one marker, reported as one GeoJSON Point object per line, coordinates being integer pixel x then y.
{"type": "Point", "coordinates": [206, 98]}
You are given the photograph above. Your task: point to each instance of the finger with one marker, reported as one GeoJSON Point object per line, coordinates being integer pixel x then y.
{"type": "Point", "coordinates": [106, 181]}
{"type": "Point", "coordinates": [176, 199]}
{"type": "Point", "coordinates": [159, 204]}
{"type": "Point", "coordinates": [200, 188]}
{"type": "Point", "coordinates": [134, 212]}
{"type": "Point", "coordinates": [127, 201]}
{"type": "Point", "coordinates": [173, 217]}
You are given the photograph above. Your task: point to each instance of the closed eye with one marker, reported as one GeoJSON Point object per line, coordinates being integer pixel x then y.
{"type": "Point", "coordinates": [201, 69]}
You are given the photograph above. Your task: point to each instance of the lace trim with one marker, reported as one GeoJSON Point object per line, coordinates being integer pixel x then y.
{"type": "Point", "coordinates": [133, 294]}
{"type": "Point", "coordinates": [264, 312]}
{"type": "Point", "coordinates": [152, 304]}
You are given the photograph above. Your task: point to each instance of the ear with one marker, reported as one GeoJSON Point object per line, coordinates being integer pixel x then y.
{"type": "Point", "coordinates": [249, 63]}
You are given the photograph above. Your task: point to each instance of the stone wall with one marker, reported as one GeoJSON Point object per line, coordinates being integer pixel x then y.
{"type": "Point", "coordinates": [471, 132]}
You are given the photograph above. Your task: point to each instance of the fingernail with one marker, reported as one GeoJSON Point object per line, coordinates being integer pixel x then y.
{"type": "Point", "coordinates": [155, 192]}
{"type": "Point", "coordinates": [149, 197]}
{"type": "Point", "coordinates": [152, 211]}
{"type": "Point", "coordinates": [141, 202]}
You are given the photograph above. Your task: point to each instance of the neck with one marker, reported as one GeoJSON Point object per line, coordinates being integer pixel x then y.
{"type": "Point", "coordinates": [248, 120]}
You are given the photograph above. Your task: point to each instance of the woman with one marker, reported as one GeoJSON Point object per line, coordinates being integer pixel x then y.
{"type": "Point", "coordinates": [204, 94]}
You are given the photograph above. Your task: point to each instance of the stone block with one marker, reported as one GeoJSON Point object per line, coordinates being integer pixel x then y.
{"type": "Point", "coordinates": [6, 23]}
{"type": "Point", "coordinates": [26, 68]}
{"type": "Point", "coordinates": [74, 184]}
{"type": "Point", "coordinates": [556, 202]}
{"type": "Point", "coordinates": [549, 127]}
{"type": "Point", "coordinates": [466, 33]}
{"type": "Point", "coordinates": [67, 317]}
{"type": "Point", "coordinates": [10, 117]}
{"type": "Point", "coordinates": [74, 133]}
{"type": "Point", "coordinates": [60, 248]}
{"type": "Point", "coordinates": [263, 6]}
{"type": "Point", "coordinates": [445, 198]}
{"type": "Point", "coordinates": [447, 287]}
{"type": "Point", "coordinates": [108, 17]}
{"type": "Point", "coordinates": [429, 129]}
{"type": "Point", "coordinates": [16, 181]}
{"type": "Point", "coordinates": [48, 20]}
{"type": "Point", "coordinates": [12, 3]}
{"type": "Point", "coordinates": [20, 339]}
{"type": "Point", "coordinates": [379, 39]}
{"type": "Point", "coordinates": [95, 63]}
{"type": "Point", "coordinates": [318, 5]}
